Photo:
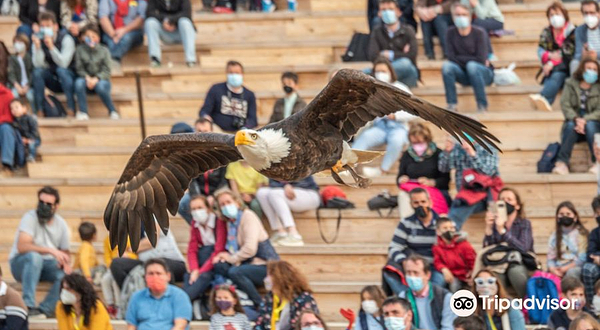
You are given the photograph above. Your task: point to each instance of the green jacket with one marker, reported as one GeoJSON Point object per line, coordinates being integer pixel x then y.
{"type": "Point", "coordinates": [570, 101]}
{"type": "Point", "coordinates": [14, 70]}
{"type": "Point", "coordinates": [93, 62]}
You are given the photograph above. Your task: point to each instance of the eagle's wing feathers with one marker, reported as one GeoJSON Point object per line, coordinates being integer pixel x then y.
{"type": "Point", "coordinates": [155, 179]}
{"type": "Point", "coordinates": [352, 98]}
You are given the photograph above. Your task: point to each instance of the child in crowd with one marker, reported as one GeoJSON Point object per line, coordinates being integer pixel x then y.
{"type": "Point", "coordinates": [472, 322]}
{"type": "Point", "coordinates": [245, 181]}
{"type": "Point", "coordinates": [452, 255]}
{"type": "Point", "coordinates": [369, 316]}
{"type": "Point", "coordinates": [226, 310]}
{"type": "Point", "coordinates": [27, 126]}
{"type": "Point", "coordinates": [596, 299]}
{"type": "Point", "coordinates": [20, 68]}
{"type": "Point", "coordinates": [572, 289]}
{"type": "Point", "coordinates": [110, 288]}
{"type": "Point", "coordinates": [85, 259]}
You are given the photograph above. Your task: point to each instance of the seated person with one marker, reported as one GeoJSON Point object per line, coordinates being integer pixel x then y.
{"type": "Point", "coordinates": [587, 36]}
{"type": "Point", "coordinates": [110, 289]}
{"type": "Point", "coordinates": [407, 16]}
{"type": "Point", "coordinates": [93, 70]}
{"type": "Point", "coordinates": [245, 181]}
{"type": "Point", "coordinates": [463, 157]}
{"type": "Point", "coordinates": [226, 309]}
{"type": "Point", "coordinates": [230, 105]}
{"type": "Point", "coordinates": [53, 69]}
{"type": "Point", "coordinates": [488, 17]}
{"type": "Point", "coordinates": [430, 301]}
{"type": "Point", "coordinates": [567, 246]}
{"type": "Point", "coordinates": [414, 235]}
{"type": "Point", "coordinates": [396, 42]}
{"type": "Point", "coordinates": [390, 130]}
{"type": "Point", "coordinates": [435, 19]}
{"type": "Point", "coordinates": [291, 102]}
{"type": "Point", "coordinates": [76, 14]}
{"type": "Point", "coordinates": [122, 25]}
{"type": "Point", "coordinates": [419, 167]}
{"type": "Point", "coordinates": [85, 260]}
{"type": "Point", "coordinates": [582, 113]}
{"type": "Point", "coordinates": [467, 61]}
{"type": "Point", "coordinates": [11, 300]}
{"type": "Point", "coordinates": [20, 68]}
{"type": "Point", "coordinates": [27, 126]}
{"type": "Point", "coordinates": [79, 304]}
{"type": "Point", "coordinates": [8, 136]}
{"type": "Point", "coordinates": [555, 51]}
{"type": "Point", "coordinates": [591, 269]}
{"type": "Point", "coordinates": [170, 22]}
{"type": "Point", "coordinates": [370, 315]}
{"type": "Point", "coordinates": [485, 283]}
{"type": "Point", "coordinates": [161, 305]}
{"type": "Point", "coordinates": [29, 12]}
{"type": "Point", "coordinates": [453, 255]}
{"type": "Point", "coordinates": [585, 321]}
{"type": "Point", "coordinates": [398, 314]}
{"type": "Point", "coordinates": [516, 233]}
{"type": "Point", "coordinates": [280, 199]}
{"type": "Point", "coordinates": [41, 251]}
{"type": "Point", "coordinates": [572, 289]}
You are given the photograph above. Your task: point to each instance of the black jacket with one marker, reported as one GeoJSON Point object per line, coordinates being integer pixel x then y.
{"type": "Point", "coordinates": [427, 167]}
{"type": "Point", "coordinates": [171, 10]}
{"type": "Point", "coordinates": [380, 40]}
{"type": "Point", "coordinates": [27, 126]}
{"type": "Point", "coordinates": [14, 70]}
{"type": "Point", "coordinates": [29, 11]}
{"type": "Point", "coordinates": [208, 182]}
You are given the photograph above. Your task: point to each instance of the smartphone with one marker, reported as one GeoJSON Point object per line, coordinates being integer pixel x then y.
{"type": "Point", "coordinates": [597, 140]}
{"type": "Point", "coordinates": [501, 214]}
{"type": "Point", "coordinates": [492, 207]}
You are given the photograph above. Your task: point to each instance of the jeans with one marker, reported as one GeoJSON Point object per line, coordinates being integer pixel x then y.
{"type": "Point", "coordinates": [184, 208]}
{"type": "Point", "coordinates": [198, 288]}
{"type": "Point", "coordinates": [406, 71]}
{"type": "Point", "coordinates": [475, 74]}
{"type": "Point", "coordinates": [102, 88]}
{"type": "Point", "coordinates": [488, 24]}
{"type": "Point", "coordinates": [129, 40]}
{"type": "Point", "coordinates": [460, 211]}
{"type": "Point", "coordinates": [438, 26]}
{"type": "Point", "coordinates": [29, 96]}
{"type": "Point", "coordinates": [185, 34]}
{"type": "Point", "coordinates": [32, 148]}
{"type": "Point", "coordinates": [61, 80]}
{"type": "Point", "coordinates": [570, 137]}
{"type": "Point", "coordinates": [396, 286]}
{"type": "Point", "coordinates": [589, 275]}
{"type": "Point", "coordinates": [25, 29]}
{"type": "Point", "coordinates": [553, 84]}
{"type": "Point", "coordinates": [246, 277]}
{"type": "Point", "coordinates": [8, 144]}
{"type": "Point", "coordinates": [384, 131]}
{"type": "Point", "coordinates": [29, 269]}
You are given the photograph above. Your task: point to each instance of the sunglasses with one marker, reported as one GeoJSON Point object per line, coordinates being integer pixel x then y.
{"type": "Point", "coordinates": [485, 281]}
{"type": "Point", "coordinates": [46, 203]}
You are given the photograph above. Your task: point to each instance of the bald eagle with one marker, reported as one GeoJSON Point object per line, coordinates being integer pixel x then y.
{"type": "Point", "coordinates": [308, 142]}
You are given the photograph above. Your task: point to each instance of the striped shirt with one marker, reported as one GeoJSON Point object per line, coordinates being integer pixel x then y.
{"type": "Point", "coordinates": [238, 321]}
{"type": "Point", "coordinates": [593, 37]}
{"type": "Point", "coordinates": [412, 237]}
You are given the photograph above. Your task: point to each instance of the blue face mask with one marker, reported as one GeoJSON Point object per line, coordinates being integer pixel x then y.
{"type": "Point", "coordinates": [235, 79]}
{"type": "Point", "coordinates": [590, 76]}
{"type": "Point", "coordinates": [415, 283]}
{"type": "Point", "coordinates": [89, 42]}
{"type": "Point", "coordinates": [47, 31]}
{"type": "Point", "coordinates": [389, 16]}
{"type": "Point", "coordinates": [394, 323]}
{"type": "Point", "coordinates": [462, 22]}
{"type": "Point", "coordinates": [230, 211]}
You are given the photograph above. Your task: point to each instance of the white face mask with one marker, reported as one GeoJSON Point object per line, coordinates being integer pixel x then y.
{"type": "Point", "coordinates": [19, 47]}
{"type": "Point", "coordinates": [557, 21]}
{"type": "Point", "coordinates": [591, 21]}
{"type": "Point", "coordinates": [67, 297]}
{"type": "Point", "coordinates": [370, 306]}
{"type": "Point", "coordinates": [383, 76]}
{"type": "Point", "coordinates": [200, 216]}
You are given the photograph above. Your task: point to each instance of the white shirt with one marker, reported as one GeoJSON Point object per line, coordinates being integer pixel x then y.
{"type": "Point", "coordinates": [208, 232]}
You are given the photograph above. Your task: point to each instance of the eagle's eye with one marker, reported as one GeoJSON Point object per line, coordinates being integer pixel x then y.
{"type": "Point", "coordinates": [254, 136]}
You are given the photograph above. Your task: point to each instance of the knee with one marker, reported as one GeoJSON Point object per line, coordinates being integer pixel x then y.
{"type": "Point", "coordinates": [591, 126]}
{"type": "Point", "coordinates": [151, 24]}
{"type": "Point", "coordinates": [80, 84]}
{"type": "Point", "coordinates": [234, 272]}
{"type": "Point", "coordinates": [262, 193]}
{"type": "Point", "coordinates": [103, 87]}
{"type": "Point", "coordinates": [185, 23]}
{"type": "Point", "coordinates": [447, 68]}
{"type": "Point", "coordinates": [472, 67]}
{"type": "Point", "coordinates": [34, 260]}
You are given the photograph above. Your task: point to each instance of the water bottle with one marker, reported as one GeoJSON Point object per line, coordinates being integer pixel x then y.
{"type": "Point", "coordinates": [292, 4]}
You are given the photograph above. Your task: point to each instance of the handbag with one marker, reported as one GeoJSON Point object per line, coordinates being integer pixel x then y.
{"type": "Point", "coordinates": [333, 198]}
{"type": "Point", "coordinates": [383, 201]}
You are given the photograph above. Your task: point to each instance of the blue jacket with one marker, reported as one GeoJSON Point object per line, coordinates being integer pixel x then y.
{"type": "Point", "coordinates": [580, 40]}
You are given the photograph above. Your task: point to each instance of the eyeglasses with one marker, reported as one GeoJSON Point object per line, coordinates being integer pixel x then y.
{"type": "Point", "coordinates": [485, 281]}
{"type": "Point", "coordinates": [46, 203]}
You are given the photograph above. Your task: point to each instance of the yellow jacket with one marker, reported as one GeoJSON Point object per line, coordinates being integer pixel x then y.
{"type": "Point", "coordinates": [99, 319]}
{"type": "Point", "coordinates": [85, 259]}
{"type": "Point", "coordinates": [110, 254]}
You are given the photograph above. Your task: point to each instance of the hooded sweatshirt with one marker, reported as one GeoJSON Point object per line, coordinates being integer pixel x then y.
{"type": "Point", "coordinates": [458, 256]}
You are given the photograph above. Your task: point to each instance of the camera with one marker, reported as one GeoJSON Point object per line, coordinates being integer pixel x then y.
{"type": "Point", "coordinates": [463, 303]}
{"type": "Point", "coordinates": [239, 122]}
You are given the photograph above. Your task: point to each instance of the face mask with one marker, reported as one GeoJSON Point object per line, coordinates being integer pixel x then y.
{"type": "Point", "coordinates": [47, 31]}
{"type": "Point", "coordinates": [578, 304]}
{"type": "Point", "coordinates": [235, 79]}
{"type": "Point", "coordinates": [394, 323]}
{"type": "Point", "coordinates": [420, 148]}
{"type": "Point", "coordinates": [510, 209]}
{"type": "Point", "coordinates": [591, 21]}
{"type": "Point", "coordinates": [89, 42]}
{"type": "Point", "coordinates": [19, 47]}
{"type": "Point", "coordinates": [44, 212]}
{"type": "Point", "coordinates": [566, 221]}
{"type": "Point", "coordinates": [448, 235]}
{"type": "Point", "coordinates": [224, 305]}
{"type": "Point", "coordinates": [200, 216]}
{"type": "Point", "coordinates": [230, 211]}
{"type": "Point", "coordinates": [67, 297]}
{"type": "Point", "coordinates": [288, 89]}
{"type": "Point", "coordinates": [388, 16]}
{"type": "Point", "coordinates": [312, 327]}
{"type": "Point", "coordinates": [462, 22]}
{"type": "Point", "coordinates": [590, 76]}
{"type": "Point", "coordinates": [268, 282]}
{"type": "Point", "coordinates": [557, 21]}
{"type": "Point", "coordinates": [415, 283]}
{"type": "Point", "coordinates": [156, 284]}
{"type": "Point", "coordinates": [486, 289]}
{"type": "Point", "coordinates": [596, 303]}
{"type": "Point", "coordinates": [420, 212]}
{"type": "Point", "coordinates": [383, 76]}
{"type": "Point", "coordinates": [369, 306]}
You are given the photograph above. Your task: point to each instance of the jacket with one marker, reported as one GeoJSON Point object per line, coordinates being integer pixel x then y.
{"type": "Point", "coordinates": [476, 186]}
{"type": "Point", "coordinates": [171, 10]}
{"type": "Point", "coordinates": [415, 167]}
{"type": "Point", "coordinates": [90, 12]}
{"type": "Point", "coordinates": [548, 44]}
{"type": "Point", "coordinates": [195, 243]}
{"type": "Point", "coordinates": [570, 101]}
{"type": "Point", "coordinates": [93, 62]}
{"type": "Point", "coordinates": [458, 257]}
{"type": "Point", "coordinates": [208, 182]}
{"type": "Point", "coordinates": [14, 70]}
{"type": "Point", "coordinates": [99, 319]}
{"type": "Point", "coordinates": [380, 40]}
{"type": "Point", "coordinates": [30, 9]}
{"type": "Point", "coordinates": [277, 114]}
{"type": "Point", "coordinates": [61, 56]}
{"type": "Point", "coordinates": [516, 320]}
{"type": "Point", "coordinates": [439, 299]}
{"type": "Point", "coordinates": [249, 234]}
{"type": "Point", "coordinates": [580, 40]}
{"type": "Point", "coordinates": [301, 302]}
{"type": "Point", "coordinates": [6, 96]}
{"type": "Point", "coordinates": [446, 4]}
{"type": "Point", "coordinates": [13, 308]}
{"type": "Point", "coordinates": [27, 126]}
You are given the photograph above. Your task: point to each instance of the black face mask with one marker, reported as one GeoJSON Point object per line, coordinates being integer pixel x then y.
{"type": "Point", "coordinates": [448, 235]}
{"type": "Point", "coordinates": [598, 220]}
{"type": "Point", "coordinates": [44, 212]}
{"type": "Point", "coordinates": [288, 89]}
{"type": "Point", "coordinates": [420, 212]}
{"type": "Point", "coordinates": [566, 221]}
{"type": "Point", "coordinates": [510, 209]}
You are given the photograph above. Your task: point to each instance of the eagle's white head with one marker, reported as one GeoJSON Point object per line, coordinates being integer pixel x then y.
{"type": "Point", "coordinates": [262, 148]}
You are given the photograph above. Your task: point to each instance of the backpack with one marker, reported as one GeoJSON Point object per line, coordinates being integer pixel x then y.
{"type": "Point", "coordinates": [357, 49]}
{"type": "Point", "coordinates": [51, 107]}
{"type": "Point", "coordinates": [539, 286]}
{"type": "Point", "coordinates": [546, 163]}
{"type": "Point", "coordinates": [9, 8]}
{"type": "Point", "coordinates": [333, 198]}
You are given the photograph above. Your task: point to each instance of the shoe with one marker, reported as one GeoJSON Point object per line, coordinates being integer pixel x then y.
{"type": "Point", "coordinates": [114, 115]}
{"type": "Point", "coordinates": [292, 240]}
{"type": "Point", "coordinates": [268, 6]}
{"type": "Point", "coordinates": [481, 109]}
{"type": "Point", "coordinates": [372, 172]}
{"type": "Point", "coordinates": [36, 314]}
{"type": "Point", "coordinates": [594, 169]}
{"type": "Point", "coordinates": [452, 107]}
{"type": "Point", "coordinates": [190, 64]}
{"type": "Point", "coordinates": [197, 314]}
{"type": "Point", "coordinates": [533, 98]}
{"type": "Point", "coordinates": [82, 116]}
{"type": "Point", "coordinates": [154, 63]}
{"type": "Point", "coordinates": [112, 311]}
{"type": "Point", "coordinates": [30, 159]}
{"type": "Point", "coordinates": [560, 168]}
{"type": "Point", "coordinates": [542, 104]}
{"type": "Point", "coordinates": [278, 237]}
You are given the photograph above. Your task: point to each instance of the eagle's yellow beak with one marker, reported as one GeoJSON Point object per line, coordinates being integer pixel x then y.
{"type": "Point", "coordinates": [242, 139]}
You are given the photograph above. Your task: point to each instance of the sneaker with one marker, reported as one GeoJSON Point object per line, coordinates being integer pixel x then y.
{"type": "Point", "coordinates": [82, 116]}
{"type": "Point", "coordinates": [452, 107]}
{"type": "Point", "coordinates": [542, 104]}
{"type": "Point", "coordinates": [292, 240]}
{"type": "Point", "coordinates": [278, 237]}
{"type": "Point", "coordinates": [114, 115]}
{"type": "Point", "coordinates": [154, 63]}
{"type": "Point", "coordinates": [533, 98]}
{"type": "Point", "coordinates": [481, 109]}
{"type": "Point", "coordinates": [30, 159]}
{"type": "Point", "coordinates": [268, 6]}
{"type": "Point", "coordinates": [560, 168]}
{"type": "Point", "coordinates": [372, 172]}
{"type": "Point", "coordinates": [112, 311]}
{"type": "Point", "coordinates": [594, 169]}
{"type": "Point", "coordinates": [196, 311]}
{"type": "Point", "coordinates": [36, 314]}
{"type": "Point", "coordinates": [190, 64]}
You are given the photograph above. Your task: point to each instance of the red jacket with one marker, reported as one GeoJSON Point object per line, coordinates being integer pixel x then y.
{"type": "Point", "coordinates": [5, 97]}
{"type": "Point", "coordinates": [459, 257]}
{"type": "Point", "coordinates": [195, 244]}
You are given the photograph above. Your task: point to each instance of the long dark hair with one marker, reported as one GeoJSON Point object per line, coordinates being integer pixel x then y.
{"type": "Point", "coordinates": [580, 227]}
{"type": "Point", "coordinates": [237, 307]}
{"type": "Point", "coordinates": [89, 299]}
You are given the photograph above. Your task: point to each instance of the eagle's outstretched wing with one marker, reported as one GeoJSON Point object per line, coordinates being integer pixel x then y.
{"type": "Point", "coordinates": [352, 98]}
{"type": "Point", "coordinates": [155, 179]}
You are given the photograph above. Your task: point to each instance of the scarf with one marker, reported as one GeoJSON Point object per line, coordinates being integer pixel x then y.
{"type": "Point", "coordinates": [278, 306]}
{"type": "Point", "coordinates": [232, 228]}
{"type": "Point", "coordinates": [122, 11]}
{"type": "Point", "coordinates": [431, 149]}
